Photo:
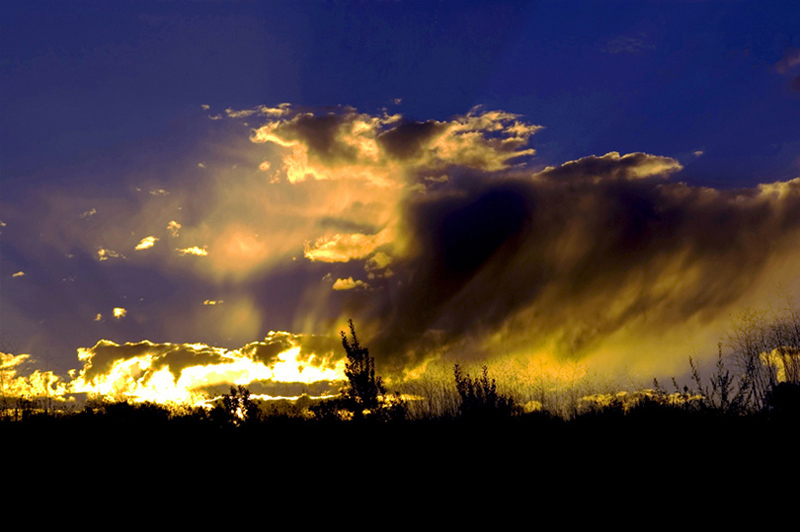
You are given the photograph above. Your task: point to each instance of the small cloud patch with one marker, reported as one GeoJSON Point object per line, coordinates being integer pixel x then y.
{"type": "Point", "coordinates": [174, 228]}
{"type": "Point", "coordinates": [350, 284]}
{"type": "Point", "coordinates": [105, 254]}
{"type": "Point", "coordinates": [194, 250]}
{"type": "Point", "coordinates": [146, 243]}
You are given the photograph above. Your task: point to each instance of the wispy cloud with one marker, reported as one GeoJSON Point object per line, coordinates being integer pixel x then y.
{"type": "Point", "coordinates": [105, 254]}
{"type": "Point", "coordinates": [194, 250]}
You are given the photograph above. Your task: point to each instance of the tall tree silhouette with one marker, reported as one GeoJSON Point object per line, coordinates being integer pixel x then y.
{"type": "Point", "coordinates": [365, 389]}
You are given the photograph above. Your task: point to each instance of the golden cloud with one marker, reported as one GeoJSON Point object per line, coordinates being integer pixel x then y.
{"type": "Point", "coordinates": [174, 228]}
{"type": "Point", "coordinates": [349, 284]}
{"type": "Point", "coordinates": [193, 250]}
{"type": "Point", "coordinates": [194, 373]}
{"type": "Point", "coordinates": [344, 247]}
{"type": "Point", "coordinates": [105, 254]}
{"type": "Point", "coordinates": [381, 149]}
{"type": "Point", "coordinates": [146, 243]}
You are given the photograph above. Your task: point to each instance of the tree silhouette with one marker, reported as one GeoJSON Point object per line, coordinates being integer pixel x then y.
{"type": "Point", "coordinates": [364, 397]}
{"type": "Point", "coordinates": [237, 407]}
{"type": "Point", "coordinates": [365, 389]}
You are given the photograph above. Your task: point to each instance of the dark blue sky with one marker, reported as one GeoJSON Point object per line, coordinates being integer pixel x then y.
{"type": "Point", "coordinates": [670, 78]}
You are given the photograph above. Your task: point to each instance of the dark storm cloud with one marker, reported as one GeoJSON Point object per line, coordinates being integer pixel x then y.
{"type": "Point", "coordinates": [578, 252]}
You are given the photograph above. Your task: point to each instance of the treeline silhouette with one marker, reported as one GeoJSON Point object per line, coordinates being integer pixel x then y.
{"type": "Point", "coordinates": [750, 403]}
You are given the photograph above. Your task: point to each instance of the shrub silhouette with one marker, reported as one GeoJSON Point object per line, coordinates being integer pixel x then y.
{"type": "Point", "coordinates": [479, 397]}
{"type": "Point", "coordinates": [237, 408]}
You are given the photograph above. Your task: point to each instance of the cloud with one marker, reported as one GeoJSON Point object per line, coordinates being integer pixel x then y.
{"type": "Point", "coordinates": [174, 228]}
{"type": "Point", "coordinates": [349, 284]}
{"type": "Point", "coordinates": [612, 166]}
{"type": "Point", "coordinates": [193, 250]}
{"type": "Point", "coordinates": [589, 257]}
{"type": "Point", "coordinates": [119, 313]}
{"type": "Point", "coordinates": [18, 274]}
{"type": "Point", "coordinates": [196, 372]}
{"type": "Point", "coordinates": [105, 254]}
{"type": "Point", "coordinates": [263, 110]}
{"type": "Point", "coordinates": [343, 247]}
{"type": "Point", "coordinates": [146, 243]}
{"type": "Point", "coordinates": [18, 380]}
{"type": "Point", "coordinates": [380, 149]}
{"type": "Point", "coordinates": [790, 60]}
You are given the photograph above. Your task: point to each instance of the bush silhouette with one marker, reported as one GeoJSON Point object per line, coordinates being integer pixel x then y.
{"type": "Point", "coordinates": [479, 397]}
{"type": "Point", "coordinates": [237, 408]}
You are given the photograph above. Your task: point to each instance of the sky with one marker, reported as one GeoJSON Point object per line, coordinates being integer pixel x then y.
{"type": "Point", "coordinates": [204, 192]}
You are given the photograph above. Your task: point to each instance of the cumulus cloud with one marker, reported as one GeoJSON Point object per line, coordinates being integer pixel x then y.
{"type": "Point", "coordinates": [18, 380]}
{"type": "Point", "coordinates": [381, 149]}
{"type": "Point", "coordinates": [146, 243]}
{"type": "Point", "coordinates": [196, 372]}
{"type": "Point", "coordinates": [119, 313]}
{"type": "Point", "coordinates": [349, 284]}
